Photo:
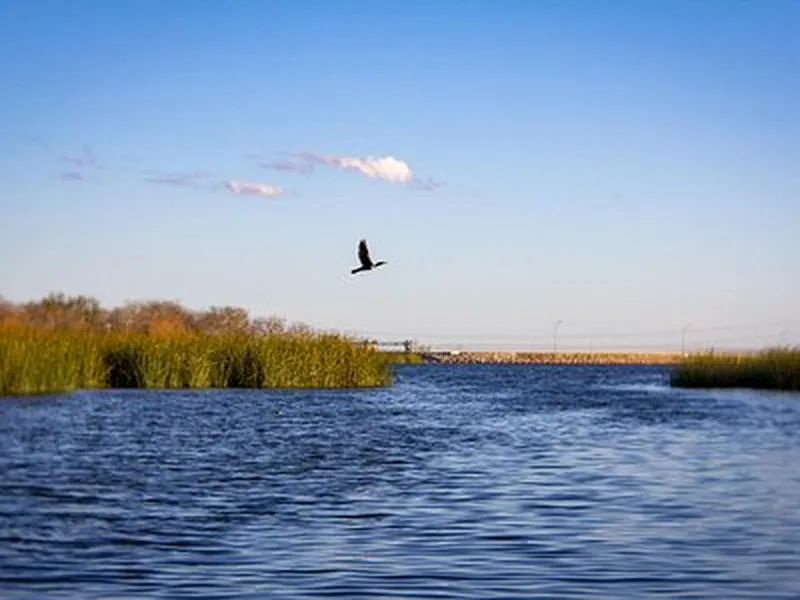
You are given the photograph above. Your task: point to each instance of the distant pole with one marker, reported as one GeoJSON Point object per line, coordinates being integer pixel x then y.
{"type": "Point", "coordinates": [555, 336]}
{"type": "Point", "coordinates": [683, 338]}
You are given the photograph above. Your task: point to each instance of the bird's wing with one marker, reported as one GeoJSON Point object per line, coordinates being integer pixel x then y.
{"type": "Point", "coordinates": [363, 253]}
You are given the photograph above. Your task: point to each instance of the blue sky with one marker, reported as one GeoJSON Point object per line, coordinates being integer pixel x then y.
{"type": "Point", "coordinates": [627, 168]}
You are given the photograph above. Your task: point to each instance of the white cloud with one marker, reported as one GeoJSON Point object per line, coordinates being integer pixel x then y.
{"type": "Point", "coordinates": [387, 167]}
{"type": "Point", "coordinates": [383, 167]}
{"type": "Point", "coordinates": [255, 189]}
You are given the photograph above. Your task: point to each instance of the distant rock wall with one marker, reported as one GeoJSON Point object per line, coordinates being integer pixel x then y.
{"type": "Point", "coordinates": [559, 358]}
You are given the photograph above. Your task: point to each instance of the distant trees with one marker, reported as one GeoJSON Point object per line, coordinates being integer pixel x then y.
{"type": "Point", "coordinates": [155, 317]}
{"type": "Point", "coordinates": [57, 311]}
{"type": "Point", "coordinates": [222, 319]}
{"type": "Point", "coordinates": [7, 310]}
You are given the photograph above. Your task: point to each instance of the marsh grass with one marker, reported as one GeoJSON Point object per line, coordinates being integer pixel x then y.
{"type": "Point", "coordinates": [774, 368]}
{"type": "Point", "coordinates": [400, 357]}
{"type": "Point", "coordinates": [37, 361]}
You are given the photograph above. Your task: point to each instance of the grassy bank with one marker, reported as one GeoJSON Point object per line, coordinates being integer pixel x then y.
{"type": "Point", "coordinates": [774, 368]}
{"type": "Point", "coordinates": [34, 360]}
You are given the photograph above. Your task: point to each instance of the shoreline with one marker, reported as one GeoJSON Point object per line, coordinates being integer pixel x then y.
{"type": "Point", "coordinates": [555, 358]}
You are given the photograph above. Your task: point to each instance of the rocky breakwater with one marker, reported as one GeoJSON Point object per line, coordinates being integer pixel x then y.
{"type": "Point", "coordinates": [560, 358]}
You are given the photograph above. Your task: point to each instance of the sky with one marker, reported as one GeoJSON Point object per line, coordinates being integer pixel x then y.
{"type": "Point", "coordinates": [595, 175]}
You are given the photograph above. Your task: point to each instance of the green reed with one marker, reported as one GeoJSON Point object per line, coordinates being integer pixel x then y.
{"type": "Point", "coordinates": [38, 361]}
{"type": "Point", "coordinates": [774, 368]}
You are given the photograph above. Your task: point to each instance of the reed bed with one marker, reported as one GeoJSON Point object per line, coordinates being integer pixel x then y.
{"type": "Point", "coordinates": [407, 358]}
{"type": "Point", "coordinates": [41, 361]}
{"type": "Point", "coordinates": [774, 368]}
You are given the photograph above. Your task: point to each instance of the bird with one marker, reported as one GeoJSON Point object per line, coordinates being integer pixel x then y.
{"type": "Point", "coordinates": [366, 261]}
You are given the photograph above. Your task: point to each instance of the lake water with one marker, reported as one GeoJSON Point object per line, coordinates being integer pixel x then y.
{"type": "Point", "coordinates": [460, 481]}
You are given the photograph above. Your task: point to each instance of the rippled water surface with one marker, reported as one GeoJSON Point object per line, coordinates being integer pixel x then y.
{"type": "Point", "coordinates": [459, 481]}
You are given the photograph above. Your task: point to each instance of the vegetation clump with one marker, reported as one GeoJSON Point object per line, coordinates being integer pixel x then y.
{"type": "Point", "coordinates": [774, 368]}
{"type": "Point", "coordinates": [403, 358]}
{"type": "Point", "coordinates": [63, 343]}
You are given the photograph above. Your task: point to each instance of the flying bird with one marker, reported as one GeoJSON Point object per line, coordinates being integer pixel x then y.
{"type": "Point", "coordinates": [366, 261]}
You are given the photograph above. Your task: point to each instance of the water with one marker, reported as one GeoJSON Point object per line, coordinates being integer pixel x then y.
{"type": "Point", "coordinates": [461, 481]}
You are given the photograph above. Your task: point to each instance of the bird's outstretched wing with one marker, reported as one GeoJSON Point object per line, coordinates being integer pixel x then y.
{"type": "Point", "coordinates": [363, 253]}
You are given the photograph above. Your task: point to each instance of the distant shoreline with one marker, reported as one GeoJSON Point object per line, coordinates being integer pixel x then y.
{"type": "Point", "coordinates": [558, 358]}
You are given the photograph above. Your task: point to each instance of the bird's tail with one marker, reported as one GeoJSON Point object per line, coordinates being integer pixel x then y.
{"type": "Point", "coordinates": [357, 270]}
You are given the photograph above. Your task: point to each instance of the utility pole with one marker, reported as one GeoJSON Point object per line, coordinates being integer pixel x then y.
{"type": "Point", "coordinates": [683, 338]}
{"type": "Point", "coordinates": [555, 336]}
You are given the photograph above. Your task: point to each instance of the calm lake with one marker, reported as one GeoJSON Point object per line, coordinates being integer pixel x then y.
{"type": "Point", "coordinates": [460, 481]}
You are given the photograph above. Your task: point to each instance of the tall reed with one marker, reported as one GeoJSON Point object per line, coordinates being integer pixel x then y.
{"type": "Point", "coordinates": [35, 360]}
{"type": "Point", "coordinates": [773, 368]}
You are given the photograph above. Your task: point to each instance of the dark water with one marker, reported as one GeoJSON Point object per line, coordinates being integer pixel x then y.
{"type": "Point", "coordinates": [458, 482]}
